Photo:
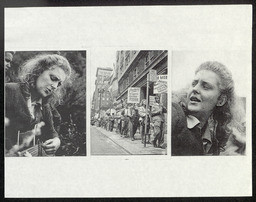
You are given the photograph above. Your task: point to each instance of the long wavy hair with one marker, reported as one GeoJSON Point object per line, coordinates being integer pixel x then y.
{"type": "Point", "coordinates": [33, 68]}
{"type": "Point", "coordinates": [223, 114]}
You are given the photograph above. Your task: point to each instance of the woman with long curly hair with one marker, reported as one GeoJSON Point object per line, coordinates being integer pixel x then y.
{"type": "Point", "coordinates": [30, 101]}
{"type": "Point", "coordinates": [201, 121]}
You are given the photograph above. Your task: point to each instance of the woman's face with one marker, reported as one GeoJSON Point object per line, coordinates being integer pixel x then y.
{"type": "Point", "coordinates": [204, 92]}
{"type": "Point", "coordinates": [49, 81]}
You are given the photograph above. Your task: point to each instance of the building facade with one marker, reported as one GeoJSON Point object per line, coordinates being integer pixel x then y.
{"type": "Point", "coordinates": [133, 67]}
{"type": "Point", "coordinates": [102, 98]}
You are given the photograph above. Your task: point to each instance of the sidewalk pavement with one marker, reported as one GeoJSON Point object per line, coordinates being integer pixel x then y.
{"type": "Point", "coordinates": [133, 147]}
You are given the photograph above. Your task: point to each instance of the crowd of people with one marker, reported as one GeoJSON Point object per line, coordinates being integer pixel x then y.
{"type": "Point", "coordinates": [134, 117]}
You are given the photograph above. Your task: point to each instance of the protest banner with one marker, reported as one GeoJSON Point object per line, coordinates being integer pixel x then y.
{"type": "Point", "coordinates": [151, 100]}
{"type": "Point", "coordinates": [160, 86]}
{"type": "Point", "coordinates": [133, 95]}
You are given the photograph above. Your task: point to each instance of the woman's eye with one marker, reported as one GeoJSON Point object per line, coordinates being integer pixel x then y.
{"type": "Point", "coordinates": [54, 78]}
{"type": "Point", "coordinates": [194, 83]}
{"type": "Point", "coordinates": [205, 86]}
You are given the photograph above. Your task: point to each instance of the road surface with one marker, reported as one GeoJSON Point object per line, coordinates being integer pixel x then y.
{"type": "Point", "coordinates": [102, 145]}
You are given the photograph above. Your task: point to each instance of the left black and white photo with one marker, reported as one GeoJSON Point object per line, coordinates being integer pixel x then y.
{"type": "Point", "coordinates": [45, 103]}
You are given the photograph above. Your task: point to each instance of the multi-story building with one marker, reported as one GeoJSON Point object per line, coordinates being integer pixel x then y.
{"type": "Point", "coordinates": [113, 84]}
{"type": "Point", "coordinates": [133, 67]}
{"type": "Point", "coordinates": [102, 99]}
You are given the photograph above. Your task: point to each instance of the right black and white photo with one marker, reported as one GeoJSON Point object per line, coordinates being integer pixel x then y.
{"type": "Point", "coordinates": [209, 103]}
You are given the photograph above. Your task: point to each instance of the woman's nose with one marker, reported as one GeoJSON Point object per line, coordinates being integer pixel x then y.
{"type": "Point", "coordinates": [196, 88]}
{"type": "Point", "coordinates": [54, 86]}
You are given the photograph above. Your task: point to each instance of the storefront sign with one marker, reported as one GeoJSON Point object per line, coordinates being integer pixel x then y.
{"type": "Point", "coordinates": [162, 77]}
{"type": "Point", "coordinates": [133, 95]}
{"type": "Point", "coordinates": [160, 86]}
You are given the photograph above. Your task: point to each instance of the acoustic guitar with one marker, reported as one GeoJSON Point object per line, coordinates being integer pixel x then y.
{"type": "Point", "coordinates": [24, 140]}
{"type": "Point", "coordinates": [36, 150]}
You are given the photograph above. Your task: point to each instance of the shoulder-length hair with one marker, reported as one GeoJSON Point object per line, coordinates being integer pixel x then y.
{"type": "Point", "coordinates": [34, 67]}
{"type": "Point", "coordinates": [223, 114]}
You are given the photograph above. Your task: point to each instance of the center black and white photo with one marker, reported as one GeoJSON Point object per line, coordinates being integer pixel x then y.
{"type": "Point", "coordinates": [129, 103]}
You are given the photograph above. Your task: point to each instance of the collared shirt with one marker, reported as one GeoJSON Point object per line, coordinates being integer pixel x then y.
{"type": "Point", "coordinates": [209, 133]}
{"type": "Point", "coordinates": [32, 105]}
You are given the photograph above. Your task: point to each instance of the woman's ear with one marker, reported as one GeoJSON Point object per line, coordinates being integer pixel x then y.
{"type": "Point", "coordinates": [221, 101]}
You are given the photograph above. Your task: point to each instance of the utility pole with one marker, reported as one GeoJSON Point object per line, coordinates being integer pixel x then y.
{"type": "Point", "coordinates": [146, 121]}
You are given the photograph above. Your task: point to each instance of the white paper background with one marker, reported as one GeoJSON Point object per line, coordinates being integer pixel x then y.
{"type": "Point", "coordinates": [81, 28]}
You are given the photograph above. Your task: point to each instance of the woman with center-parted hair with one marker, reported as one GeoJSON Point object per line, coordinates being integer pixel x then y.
{"type": "Point", "coordinates": [30, 101]}
{"type": "Point", "coordinates": [201, 120]}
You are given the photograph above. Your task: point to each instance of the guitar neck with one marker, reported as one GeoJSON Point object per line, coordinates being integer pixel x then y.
{"type": "Point", "coordinates": [35, 150]}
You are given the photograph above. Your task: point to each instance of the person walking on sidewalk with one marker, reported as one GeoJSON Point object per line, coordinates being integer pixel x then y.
{"type": "Point", "coordinates": [157, 111]}
{"type": "Point", "coordinates": [111, 122]}
{"type": "Point", "coordinates": [142, 120]}
{"type": "Point", "coordinates": [118, 122]}
{"type": "Point", "coordinates": [125, 121]}
{"type": "Point", "coordinates": [134, 121]}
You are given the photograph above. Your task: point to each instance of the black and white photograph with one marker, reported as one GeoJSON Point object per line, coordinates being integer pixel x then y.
{"type": "Point", "coordinates": [209, 103]}
{"type": "Point", "coordinates": [129, 102]}
{"type": "Point", "coordinates": [45, 103]}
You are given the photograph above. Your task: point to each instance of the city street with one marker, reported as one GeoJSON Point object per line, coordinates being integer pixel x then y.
{"type": "Point", "coordinates": [104, 142]}
{"type": "Point", "coordinates": [102, 145]}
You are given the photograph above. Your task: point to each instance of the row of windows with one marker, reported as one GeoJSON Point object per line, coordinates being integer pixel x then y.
{"type": "Point", "coordinates": [124, 58]}
{"type": "Point", "coordinates": [142, 64]}
{"type": "Point", "coordinates": [104, 98]}
{"type": "Point", "coordinates": [101, 79]}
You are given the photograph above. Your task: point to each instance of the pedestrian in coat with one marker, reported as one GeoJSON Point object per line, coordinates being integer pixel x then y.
{"type": "Point", "coordinates": [125, 121]}
{"type": "Point", "coordinates": [157, 114]}
{"type": "Point", "coordinates": [134, 121]}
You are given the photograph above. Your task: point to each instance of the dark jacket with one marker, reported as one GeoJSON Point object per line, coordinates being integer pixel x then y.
{"type": "Point", "coordinates": [187, 142]}
{"type": "Point", "coordinates": [16, 110]}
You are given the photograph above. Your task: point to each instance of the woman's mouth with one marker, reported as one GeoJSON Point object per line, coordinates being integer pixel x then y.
{"type": "Point", "coordinates": [194, 99]}
{"type": "Point", "coordinates": [48, 91]}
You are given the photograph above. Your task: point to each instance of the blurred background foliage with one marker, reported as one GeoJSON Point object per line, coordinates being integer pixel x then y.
{"type": "Point", "coordinates": [73, 106]}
